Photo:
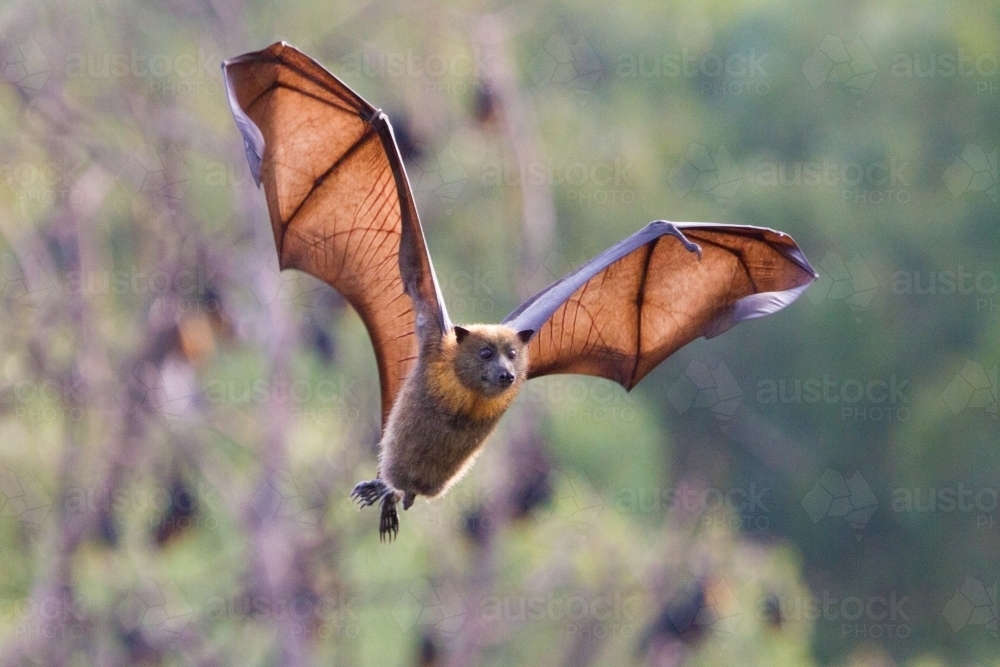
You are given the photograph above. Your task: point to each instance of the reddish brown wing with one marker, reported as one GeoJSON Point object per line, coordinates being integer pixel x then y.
{"type": "Point", "coordinates": [338, 197]}
{"type": "Point", "coordinates": [623, 312]}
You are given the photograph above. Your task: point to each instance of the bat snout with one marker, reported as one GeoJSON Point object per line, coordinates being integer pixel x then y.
{"type": "Point", "coordinates": [497, 379]}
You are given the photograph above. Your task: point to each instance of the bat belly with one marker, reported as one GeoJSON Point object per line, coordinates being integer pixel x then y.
{"type": "Point", "coordinates": [427, 455]}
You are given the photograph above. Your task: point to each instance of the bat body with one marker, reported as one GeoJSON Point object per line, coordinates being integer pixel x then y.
{"type": "Point", "coordinates": [341, 209]}
{"type": "Point", "coordinates": [448, 405]}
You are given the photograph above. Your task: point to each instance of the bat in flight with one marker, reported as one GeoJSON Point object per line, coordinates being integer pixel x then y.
{"type": "Point", "coordinates": [342, 210]}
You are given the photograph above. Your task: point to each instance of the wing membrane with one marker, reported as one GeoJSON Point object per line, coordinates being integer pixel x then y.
{"type": "Point", "coordinates": [625, 311]}
{"type": "Point", "coordinates": [338, 198]}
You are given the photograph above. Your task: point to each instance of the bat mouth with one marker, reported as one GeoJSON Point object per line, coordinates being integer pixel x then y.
{"type": "Point", "coordinates": [503, 381]}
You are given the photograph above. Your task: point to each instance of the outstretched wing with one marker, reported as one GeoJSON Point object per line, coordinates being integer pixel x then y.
{"type": "Point", "coordinates": [338, 197]}
{"type": "Point", "coordinates": [626, 310]}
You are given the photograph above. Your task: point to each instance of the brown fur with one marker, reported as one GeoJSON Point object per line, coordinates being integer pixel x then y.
{"type": "Point", "coordinates": [447, 408]}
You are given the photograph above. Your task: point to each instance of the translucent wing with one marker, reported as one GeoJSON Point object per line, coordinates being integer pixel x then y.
{"type": "Point", "coordinates": [338, 197]}
{"type": "Point", "coordinates": [626, 310]}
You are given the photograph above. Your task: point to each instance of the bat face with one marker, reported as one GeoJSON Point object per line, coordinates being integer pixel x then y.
{"type": "Point", "coordinates": [490, 360]}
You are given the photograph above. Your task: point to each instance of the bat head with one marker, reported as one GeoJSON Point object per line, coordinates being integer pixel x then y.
{"type": "Point", "coordinates": [491, 359]}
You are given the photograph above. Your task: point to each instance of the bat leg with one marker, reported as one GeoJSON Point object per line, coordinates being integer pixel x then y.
{"type": "Point", "coordinates": [388, 524]}
{"type": "Point", "coordinates": [408, 499]}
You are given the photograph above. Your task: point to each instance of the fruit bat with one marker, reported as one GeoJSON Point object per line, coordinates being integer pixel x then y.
{"type": "Point", "coordinates": [342, 210]}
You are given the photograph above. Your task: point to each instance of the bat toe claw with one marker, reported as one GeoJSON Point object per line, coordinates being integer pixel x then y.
{"type": "Point", "coordinates": [388, 525]}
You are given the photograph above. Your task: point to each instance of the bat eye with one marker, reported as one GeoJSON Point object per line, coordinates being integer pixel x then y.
{"type": "Point", "coordinates": [486, 353]}
{"type": "Point", "coordinates": [511, 354]}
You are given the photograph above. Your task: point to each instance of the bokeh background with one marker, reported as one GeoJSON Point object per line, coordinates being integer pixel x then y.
{"type": "Point", "coordinates": [180, 423]}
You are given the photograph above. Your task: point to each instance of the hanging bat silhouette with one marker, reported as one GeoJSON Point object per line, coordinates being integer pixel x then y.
{"type": "Point", "coordinates": [341, 209]}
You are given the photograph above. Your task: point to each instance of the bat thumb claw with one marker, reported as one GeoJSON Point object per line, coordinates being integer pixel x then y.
{"type": "Point", "coordinates": [671, 228]}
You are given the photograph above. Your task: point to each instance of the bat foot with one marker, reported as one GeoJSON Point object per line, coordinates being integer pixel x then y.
{"type": "Point", "coordinates": [388, 524]}
{"type": "Point", "coordinates": [368, 493]}
{"type": "Point", "coordinates": [408, 499]}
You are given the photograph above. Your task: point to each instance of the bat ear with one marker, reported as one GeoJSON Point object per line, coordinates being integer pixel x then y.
{"type": "Point", "coordinates": [460, 334]}
{"type": "Point", "coordinates": [525, 335]}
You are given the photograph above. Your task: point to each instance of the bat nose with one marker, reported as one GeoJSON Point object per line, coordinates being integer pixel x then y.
{"type": "Point", "coordinates": [506, 378]}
